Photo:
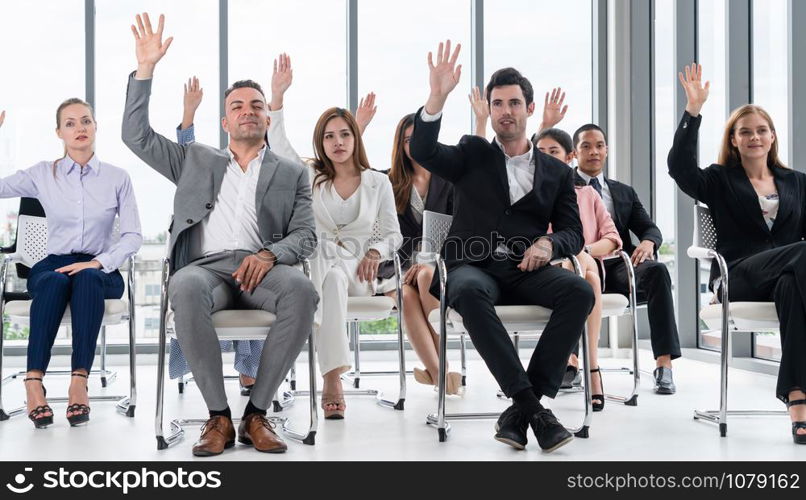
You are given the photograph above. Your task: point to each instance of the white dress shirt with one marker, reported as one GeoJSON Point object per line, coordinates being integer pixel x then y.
{"type": "Point", "coordinates": [606, 196]}
{"type": "Point", "coordinates": [232, 224]}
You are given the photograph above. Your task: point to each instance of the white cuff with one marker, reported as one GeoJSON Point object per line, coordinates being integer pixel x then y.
{"type": "Point", "coordinates": [426, 117]}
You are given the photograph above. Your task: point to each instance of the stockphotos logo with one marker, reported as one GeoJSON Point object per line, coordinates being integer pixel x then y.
{"type": "Point", "coordinates": [122, 480]}
{"type": "Point", "coordinates": [20, 486]}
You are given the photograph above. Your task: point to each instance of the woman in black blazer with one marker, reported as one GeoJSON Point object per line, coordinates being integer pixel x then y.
{"type": "Point", "coordinates": [759, 210]}
{"type": "Point", "coordinates": [416, 190]}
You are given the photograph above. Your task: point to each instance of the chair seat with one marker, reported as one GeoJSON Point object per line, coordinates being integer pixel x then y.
{"type": "Point", "coordinates": [369, 308]}
{"type": "Point", "coordinates": [746, 316]}
{"type": "Point", "coordinates": [115, 311]}
{"type": "Point", "coordinates": [528, 318]}
{"type": "Point", "coordinates": [236, 324]}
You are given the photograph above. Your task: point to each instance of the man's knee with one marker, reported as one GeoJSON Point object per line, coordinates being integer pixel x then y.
{"type": "Point", "coordinates": [188, 282]}
{"type": "Point", "coordinates": [579, 292]}
{"type": "Point", "coordinates": [300, 290]}
{"type": "Point", "coordinates": [656, 274]}
{"type": "Point", "coordinates": [470, 293]}
{"type": "Point", "coordinates": [51, 280]}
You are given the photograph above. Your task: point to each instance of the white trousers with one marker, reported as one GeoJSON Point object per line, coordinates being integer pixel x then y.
{"type": "Point", "coordinates": [339, 281]}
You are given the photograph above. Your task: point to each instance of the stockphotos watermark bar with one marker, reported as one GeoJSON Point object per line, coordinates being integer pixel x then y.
{"type": "Point", "coordinates": [269, 478]}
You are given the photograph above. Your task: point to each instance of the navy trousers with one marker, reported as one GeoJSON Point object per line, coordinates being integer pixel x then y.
{"type": "Point", "coordinates": [52, 291]}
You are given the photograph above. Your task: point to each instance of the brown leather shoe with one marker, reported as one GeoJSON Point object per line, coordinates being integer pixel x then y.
{"type": "Point", "coordinates": [217, 434]}
{"type": "Point", "coordinates": [257, 430]}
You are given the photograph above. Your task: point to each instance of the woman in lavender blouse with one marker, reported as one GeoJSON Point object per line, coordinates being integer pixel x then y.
{"type": "Point", "coordinates": [81, 196]}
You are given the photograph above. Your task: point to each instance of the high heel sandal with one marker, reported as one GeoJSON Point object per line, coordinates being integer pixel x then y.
{"type": "Point", "coordinates": [80, 412]}
{"type": "Point", "coordinates": [598, 400]}
{"type": "Point", "coordinates": [800, 424]}
{"type": "Point", "coordinates": [453, 382]}
{"type": "Point", "coordinates": [336, 404]}
{"type": "Point", "coordinates": [40, 422]}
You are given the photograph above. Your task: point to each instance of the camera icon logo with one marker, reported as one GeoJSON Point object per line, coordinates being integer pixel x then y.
{"type": "Point", "coordinates": [19, 479]}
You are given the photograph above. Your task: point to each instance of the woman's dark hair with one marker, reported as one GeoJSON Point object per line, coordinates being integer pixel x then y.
{"type": "Point", "coordinates": [559, 135]}
{"type": "Point", "coordinates": [325, 171]}
{"type": "Point", "coordinates": [511, 76]}
{"type": "Point", "coordinates": [402, 172]}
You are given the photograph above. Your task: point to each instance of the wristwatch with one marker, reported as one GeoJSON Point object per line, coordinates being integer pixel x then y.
{"type": "Point", "coordinates": [587, 249]}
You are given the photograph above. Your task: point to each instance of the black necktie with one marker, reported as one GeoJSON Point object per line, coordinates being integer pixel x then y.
{"type": "Point", "coordinates": [594, 183]}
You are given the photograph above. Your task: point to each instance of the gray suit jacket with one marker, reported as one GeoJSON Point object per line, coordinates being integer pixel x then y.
{"type": "Point", "coordinates": [283, 199]}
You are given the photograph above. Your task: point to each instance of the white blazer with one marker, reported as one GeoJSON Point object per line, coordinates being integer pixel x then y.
{"type": "Point", "coordinates": [376, 226]}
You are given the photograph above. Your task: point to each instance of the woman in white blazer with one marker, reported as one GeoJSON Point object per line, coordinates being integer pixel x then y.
{"type": "Point", "coordinates": [349, 198]}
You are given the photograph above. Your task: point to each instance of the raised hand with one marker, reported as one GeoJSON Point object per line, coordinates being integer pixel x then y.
{"type": "Point", "coordinates": [149, 45]}
{"type": "Point", "coordinates": [553, 109]}
{"type": "Point", "coordinates": [281, 78]}
{"type": "Point", "coordinates": [443, 76]}
{"type": "Point", "coordinates": [696, 92]}
{"type": "Point", "coordinates": [2, 118]}
{"type": "Point", "coordinates": [193, 97]}
{"type": "Point", "coordinates": [365, 112]}
{"type": "Point", "coordinates": [481, 110]}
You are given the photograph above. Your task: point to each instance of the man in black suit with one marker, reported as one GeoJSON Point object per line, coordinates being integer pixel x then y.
{"type": "Point", "coordinates": [505, 195]}
{"type": "Point", "coordinates": [652, 278]}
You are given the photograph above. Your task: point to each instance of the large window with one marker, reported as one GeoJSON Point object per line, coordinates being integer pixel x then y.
{"type": "Point", "coordinates": [712, 51]}
{"type": "Point", "coordinates": [392, 62]}
{"type": "Point", "coordinates": [550, 43]}
{"type": "Point", "coordinates": [315, 36]}
{"type": "Point", "coordinates": [194, 51]}
{"type": "Point", "coordinates": [666, 116]}
{"type": "Point", "coordinates": [770, 89]}
{"type": "Point", "coordinates": [44, 65]}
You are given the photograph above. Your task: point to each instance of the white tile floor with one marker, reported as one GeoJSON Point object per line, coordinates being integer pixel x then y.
{"type": "Point", "coordinates": [659, 428]}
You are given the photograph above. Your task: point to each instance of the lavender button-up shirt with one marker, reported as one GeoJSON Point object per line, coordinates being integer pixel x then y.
{"type": "Point", "coordinates": [81, 205]}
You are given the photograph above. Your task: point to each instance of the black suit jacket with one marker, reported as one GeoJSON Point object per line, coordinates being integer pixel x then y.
{"type": "Point", "coordinates": [483, 214]}
{"type": "Point", "coordinates": [630, 216]}
{"type": "Point", "coordinates": [740, 226]}
{"type": "Point", "coordinates": [440, 200]}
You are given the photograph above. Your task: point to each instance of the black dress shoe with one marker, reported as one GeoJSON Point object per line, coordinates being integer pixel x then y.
{"type": "Point", "coordinates": [572, 378]}
{"type": "Point", "coordinates": [511, 428]}
{"type": "Point", "coordinates": [664, 383]}
{"type": "Point", "coordinates": [549, 431]}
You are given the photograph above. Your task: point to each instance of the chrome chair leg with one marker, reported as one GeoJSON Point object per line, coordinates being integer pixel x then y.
{"type": "Point", "coordinates": [463, 355]}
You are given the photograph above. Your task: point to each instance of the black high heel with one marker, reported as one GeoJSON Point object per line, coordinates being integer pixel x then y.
{"type": "Point", "coordinates": [80, 412]}
{"type": "Point", "coordinates": [598, 400]}
{"type": "Point", "coordinates": [800, 424]}
{"type": "Point", "coordinates": [40, 422]}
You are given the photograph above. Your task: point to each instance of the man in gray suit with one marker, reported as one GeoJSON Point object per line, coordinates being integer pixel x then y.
{"type": "Point", "coordinates": [242, 219]}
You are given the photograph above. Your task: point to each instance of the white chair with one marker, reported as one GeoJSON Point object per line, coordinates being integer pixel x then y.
{"type": "Point", "coordinates": [31, 245]}
{"type": "Point", "coordinates": [515, 319]}
{"type": "Point", "coordinates": [229, 325]}
{"type": "Point", "coordinates": [727, 317]}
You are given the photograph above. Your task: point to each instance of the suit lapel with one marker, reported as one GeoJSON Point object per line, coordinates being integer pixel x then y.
{"type": "Point", "coordinates": [785, 185]}
{"type": "Point", "coordinates": [267, 170]}
{"type": "Point", "coordinates": [219, 172]}
{"type": "Point", "coordinates": [500, 160]}
{"type": "Point", "coordinates": [618, 201]}
{"type": "Point", "coordinates": [747, 198]}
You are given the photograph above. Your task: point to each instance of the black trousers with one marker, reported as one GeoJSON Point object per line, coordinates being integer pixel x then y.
{"type": "Point", "coordinates": [474, 289]}
{"type": "Point", "coordinates": [779, 275]}
{"type": "Point", "coordinates": [653, 286]}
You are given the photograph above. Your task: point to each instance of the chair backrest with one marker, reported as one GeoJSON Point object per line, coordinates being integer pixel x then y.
{"type": "Point", "coordinates": [704, 230]}
{"type": "Point", "coordinates": [435, 231]}
{"type": "Point", "coordinates": [32, 239]}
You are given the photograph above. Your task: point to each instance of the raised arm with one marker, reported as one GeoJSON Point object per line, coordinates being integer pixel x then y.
{"type": "Point", "coordinates": [365, 112]}
{"type": "Point", "coordinates": [445, 161]}
{"type": "Point", "coordinates": [185, 132]}
{"type": "Point", "coordinates": [553, 109]}
{"type": "Point", "coordinates": [481, 110]}
{"type": "Point", "coordinates": [281, 79]}
{"type": "Point", "coordinates": [161, 154]}
{"type": "Point", "coordinates": [682, 160]}
{"type": "Point", "coordinates": [2, 117]}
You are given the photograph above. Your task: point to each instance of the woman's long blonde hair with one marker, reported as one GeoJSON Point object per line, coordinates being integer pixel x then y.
{"type": "Point", "coordinates": [729, 154]}
{"type": "Point", "coordinates": [325, 171]}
